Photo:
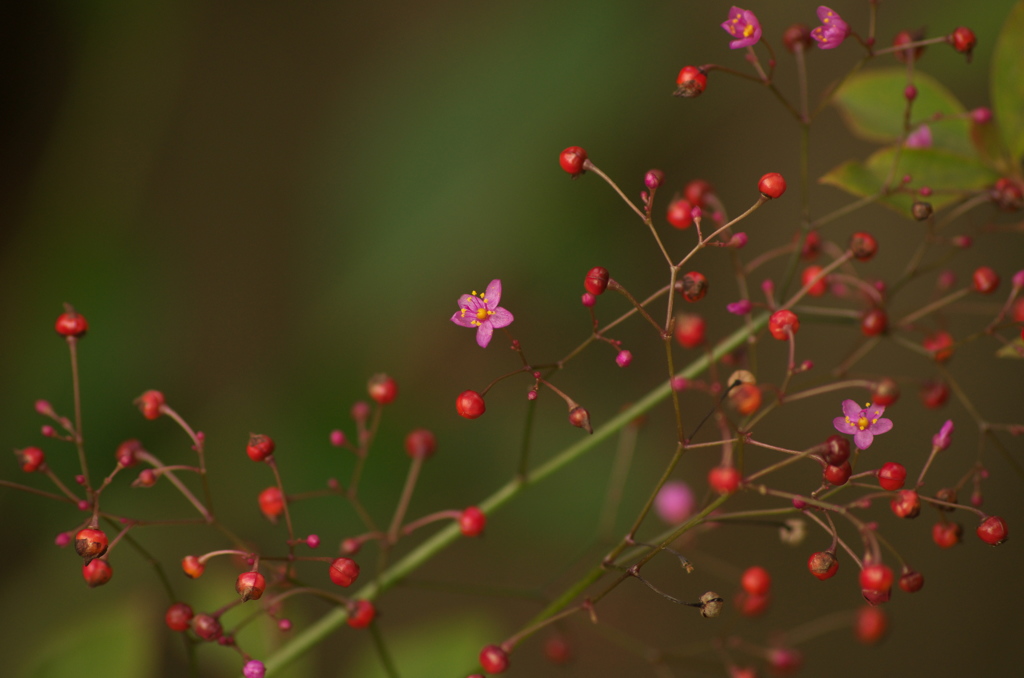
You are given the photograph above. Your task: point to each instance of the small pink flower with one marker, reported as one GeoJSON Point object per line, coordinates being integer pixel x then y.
{"type": "Point", "coordinates": [483, 313]}
{"type": "Point", "coordinates": [832, 31]}
{"type": "Point", "coordinates": [942, 439]}
{"type": "Point", "coordinates": [744, 26]}
{"type": "Point", "coordinates": [675, 502]}
{"type": "Point", "coordinates": [863, 424]}
{"type": "Point", "coordinates": [920, 138]}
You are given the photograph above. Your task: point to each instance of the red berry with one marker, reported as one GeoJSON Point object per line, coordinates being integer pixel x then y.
{"type": "Point", "coordinates": [911, 581]}
{"type": "Point", "coordinates": [838, 474]}
{"type": "Point", "coordinates": [751, 605]}
{"type": "Point", "coordinates": [772, 185]}
{"type": "Point", "coordinates": [780, 322]}
{"type": "Point", "coordinates": [811, 245]}
{"type": "Point", "coordinates": [963, 40]}
{"type": "Point", "coordinates": [690, 82]}
{"type": "Point", "coordinates": [940, 345]}
{"type": "Point", "coordinates": [863, 245]}
{"type": "Point", "coordinates": [572, 160]}
{"type": "Point", "coordinates": [472, 521]}
{"type": "Point", "coordinates": [178, 617]}
{"type": "Point", "coordinates": [207, 627]}
{"type": "Point", "coordinates": [934, 394]}
{"type": "Point", "coordinates": [361, 614]}
{"type": "Point", "coordinates": [250, 585]}
{"type": "Point", "coordinates": [1007, 195]}
{"type": "Point", "coordinates": [886, 393]}
{"type": "Point", "coordinates": [837, 450]}
{"type": "Point", "coordinates": [420, 444]}
{"type": "Point", "coordinates": [784, 660]}
{"type": "Point", "coordinates": [272, 503]}
{"type": "Point", "coordinates": [745, 398]}
{"type": "Point", "coordinates": [818, 288]}
{"type": "Point", "coordinates": [876, 577]}
{"type": "Point", "coordinates": [30, 459]}
{"type": "Point", "coordinates": [947, 535]}
{"type": "Point", "coordinates": [693, 286]}
{"type": "Point", "coordinates": [493, 659]}
{"type": "Point", "coordinates": [906, 504]}
{"type": "Point", "coordinates": [985, 280]}
{"type": "Point", "coordinates": [797, 36]}
{"type": "Point", "coordinates": [557, 649]}
{"type": "Point", "coordinates": [260, 446]}
{"type": "Point", "coordinates": [689, 330]}
{"type": "Point", "coordinates": [993, 530]}
{"type": "Point", "coordinates": [71, 324]}
{"type": "Point", "coordinates": [871, 624]}
{"type": "Point", "coordinates": [343, 571]}
{"type": "Point", "coordinates": [910, 53]}
{"type": "Point", "coordinates": [823, 564]}
{"type": "Point", "coordinates": [874, 322]}
{"type": "Point", "coordinates": [892, 475]}
{"type": "Point", "coordinates": [126, 451]}
{"type": "Point", "coordinates": [756, 581]}
{"type": "Point", "coordinates": [724, 479]}
{"type": "Point", "coordinates": [596, 281]}
{"type": "Point", "coordinates": [470, 404]}
{"type": "Point", "coordinates": [580, 418]}
{"type": "Point", "coordinates": [697, 192]}
{"type": "Point", "coordinates": [192, 567]}
{"type": "Point", "coordinates": [680, 213]}
{"type": "Point", "coordinates": [90, 543]}
{"type": "Point", "coordinates": [382, 389]}
{"type": "Point", "coordinates": [150, 403]}
{"type": "Point", "coordinates": [97, 572]}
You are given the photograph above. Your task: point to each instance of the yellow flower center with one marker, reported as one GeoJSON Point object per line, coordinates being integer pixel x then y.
{"type": "Point", "coordinates": [863, 423]}
{"type": "Point", "coordinates": [748, 31]}
{"type": "Point", "coordinates": [483, 314]}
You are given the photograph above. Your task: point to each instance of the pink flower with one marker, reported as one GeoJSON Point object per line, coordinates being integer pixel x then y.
{"type": "Point", "coordinates": [832, 31]}
{"type": "Point", "coordinates": [483, 313]}
{"type": "Point", "coordinates": [863, 424]}
{"type": "Point", "coordinates": [942, 439]}
{"type": "Point", "coordinates": [744, 26]}
{"type": "Point", "coordinates": [920, 138]}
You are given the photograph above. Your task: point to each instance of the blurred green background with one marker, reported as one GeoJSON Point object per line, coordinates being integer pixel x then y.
{"type": "Point", "coordinates": [258, 205]}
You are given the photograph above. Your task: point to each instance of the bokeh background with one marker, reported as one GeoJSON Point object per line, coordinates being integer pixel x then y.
{"type": "Point", "coordinates": [258, 205]}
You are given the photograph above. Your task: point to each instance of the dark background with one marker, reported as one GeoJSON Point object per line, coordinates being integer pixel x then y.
{"type": "Point", "coordinates": [258, 205]}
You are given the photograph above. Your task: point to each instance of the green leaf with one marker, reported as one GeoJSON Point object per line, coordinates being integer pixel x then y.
{"type": "Point", "coordinates": [1008, 81]}
{"type": "Point", "coordinates": [947, 174]}
{"type": "Point", "coordinates": [1015, 349]}
{"type": "Point", "coordinates": [872, 105]}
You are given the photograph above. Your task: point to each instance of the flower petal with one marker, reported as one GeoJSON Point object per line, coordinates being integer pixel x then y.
{"type": "Point", "coordinates": [863, 439]}
{"type": "Point", "coordinates": [469, 301]}
{"type": "Point", "coordinates": [881, 426]}
{"type": "Point", "coordinates": [501, 318]}
{"type": "Point", "coordinates": [843, 426]}
{"type": "Point", "coordinates": [493, 294]}
{"type": "Point", "coordinates": [851, 409]}
{"type": "Point", "coordinates": [483, 333]}
{"type": "Point", "coordinates": [464, 319]}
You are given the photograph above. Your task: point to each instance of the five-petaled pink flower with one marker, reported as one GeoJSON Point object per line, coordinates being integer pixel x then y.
{"type": "Point", "coordinates": [483, 313]}
{"type": "Point", "coordinates": [832, 31]}
{"type": "Point", "coordinates": [744, 26]}
{"type": "Point", "coordinates": [863, 424]}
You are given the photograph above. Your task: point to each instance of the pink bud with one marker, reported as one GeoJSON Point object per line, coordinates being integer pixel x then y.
{"type": "Point", "coordinates": [44, 408]}
{"type": "Point", "coordinates": [910, 92]}
{"type": "Point", "coordinates": [768, 287]}
{"type": "Point", "coordinates": [741, 307]}
{"type": "Point", "coordinates": [678, 383]}
{"type": "Point", "coordinates": [924, 191]}
{"type": "Point", "coordinates": [360, 411]}
{"type": "Point", "coordinates": [337, 438]}
{"type": "Point", "coordinates": [981, 115]}
{"type": "Point", "coordinates": [738, 240]}
{"type": "Point", "coordinates": [312, 541]}
{"type": "Point", "coordinates": [941, 439]}
{"type": "Point", "coordinates": [1018, 279]}
{"type": "Point", "coordinates": [624, 358]}
{"type": "Point", "coordinates": [962, 241]}
{"type": "Point", "coordinates": [946, 280]}
{"type": "Point", "coordinates": [653, 179]}
{"type": "Point", "coordinates": [588, 299]}
{"type": "Point", "coordinates": [48, 431]}
{"type": "Point", "coordinates": [284, 624]}
{"type": "Point", "coordinates": [675, 502]}
{"type": "Point", "coordinates": [63, 539]}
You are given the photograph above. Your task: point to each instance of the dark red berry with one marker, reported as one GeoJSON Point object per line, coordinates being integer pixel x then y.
{"type": "Point", "coordinates": [910, 53]}
{"type": "Point", "coordinates": [472, 521]}
{"type": "Point", "coordinates": [756, 581]}
{"type": "Point", "coordinates": [30, 459]}
{"type": "Point", "coordinates": [891, 476]}
{"type": "Point", "coordinates": [811, 246]}
{"type": "Point", "coordinates": [690, 82]}
{"type": "Point", "coordinates": [886, 393]}
{"type": "Point", "coordinates": [382, 388]}
{"type": "Point", "coordinates": [192, 567]}
{"type": "Point", "coordinates": [940, 344]}
{"type": "Point", "coordinates": [724, 479]}
{"type": "Point", "coordinates": [963, 40]}
{"type": "Point", "coordinates": [985, 280]}
{"type": "Point", "coordinates": [837, 450]}
{"type": "Point", "coordinates": [260, 446]}
{"type": "Point", "coordinates": [934, 394]}
{"type": "Point", "coordinates": [823, 564]}
{"type": "Point", "coordinates": [693, 286]}
{"type": "Point", "coordinates": [150, 404]}
{"type": "Point", "coordinates": [580, 418]}
{"type": "Point", "coordinates": [993, 530]}
{"type": "Point", "coordinates": [361, 614]}
{"type": "Point", "coordinates": [126, 452]}
{"type": "Point", "coordinates": [689, 330]}
{"type": "Point", "coordinates": [71, 324]}
{"type": "Point", "coordinates": [97, 572]}
{"type": "Point", "coordinates": [572, 160]}
{"type": "Point", "coordinates": [819, 287]}
{"type": "Point", "coordinates": [493, 659]}
{"type": "Point", "coordinates": [697, 192]}
{"type": "Point", "coordinates": [1007, 195]}
{"type": "Point", "coordinates": [596, 280]}
{"type": "Point", "coordinates": [343, 571]}
{"type": "Point", "coordinates": [680, 213]}
{"type": "Point", "coordinates": [250, 585]}
{"type": "Point", "coordinates": [947, 535]}
{"type": "Point", "coordinates": [871, 624]}
{"type": "Point", "coordinates": [207, 627]}
{"type": "Point", "coordinates": [271, 502]}
{"type": "Point", "coordinates": [178, 617]}
{"type": "Point", "coordinates": [90, 543]}
{"type": "Point", "coordinates": [797, 36]}
{"type": "Point", "coordinates": [906, 504]}
{"type": "Point", "coordinates": [782, 323]}
{"type": "Point", "coordinates": [772, 185]}
{"type": "Point", "coordinates": [874, 322]}
{"type": "Point", "coordinates": [470, 404]}
{"type": "Point", "coordinates": [911, 581]}
{"type": "Point", "coordinates": [838, 474]}
{"type": "Point", "coordinates": [420, 444]}
{"type": "Point", "coordinates": [863, 245]}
